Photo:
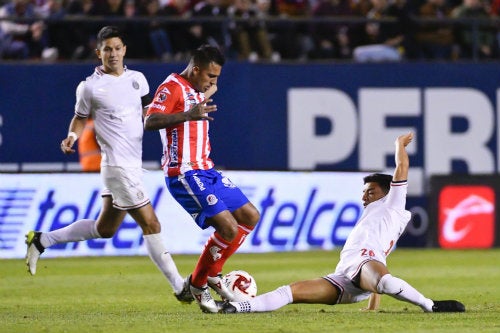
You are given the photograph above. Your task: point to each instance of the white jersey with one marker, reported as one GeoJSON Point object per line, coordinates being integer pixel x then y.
{"type": "Point", "coordinates": [115, 104]}
{"type": "Point", "coordinates": [376, 232]}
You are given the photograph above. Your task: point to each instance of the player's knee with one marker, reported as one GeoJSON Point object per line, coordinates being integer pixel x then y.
{"type": "Point", "coordinates": [229, 231]}
{"type": "Point", "coordinates": [251, 217]}
{"type": "Point", "coordinates": [254, 217]}
{"type": "Point", "coordinates": [106, 232]}
{"type": "Point", "coordinates": [389, 284]}
{"type": "Point", "coordinates": [152, 227]}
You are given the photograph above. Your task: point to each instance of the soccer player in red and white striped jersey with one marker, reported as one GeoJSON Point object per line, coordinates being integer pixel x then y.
{"type": "Point", "coordinates": [180, 111]}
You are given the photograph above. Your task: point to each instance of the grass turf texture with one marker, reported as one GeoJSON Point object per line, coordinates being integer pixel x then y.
{"type": "Point", "coordinates": [128, 294]}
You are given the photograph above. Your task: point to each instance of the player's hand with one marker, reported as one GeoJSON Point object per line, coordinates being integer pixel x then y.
{"type": "Point", "coordinates": [201, 110]}
{"type": "Point", "coordinates": [67, 144]}
{"type": "Point", "coordinates": [211, 91]}
{"type": "Point", "coordinates": [405, 139]}
{"type": "Point", "coordinates": [373, 303]}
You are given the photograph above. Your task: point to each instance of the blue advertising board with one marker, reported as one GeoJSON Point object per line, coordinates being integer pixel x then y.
{"type": "Point", "coordinates": [288, 116]}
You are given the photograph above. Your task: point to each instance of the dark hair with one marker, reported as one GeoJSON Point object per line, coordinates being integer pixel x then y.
{"type": "Point", "coordinates": [382, 179]}
{"type": "Point", "coordinates": [108, 32]}
{"type": "Point", "coordinates": [206, 54]}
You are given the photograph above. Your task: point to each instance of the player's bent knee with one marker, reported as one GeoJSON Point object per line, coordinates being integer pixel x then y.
{"type": "Point", "coordinates": [229, 231]}
{"type": "Point", "coordinates": [106, 233]}
{"type": "Point", "coordinates": [389, 284]}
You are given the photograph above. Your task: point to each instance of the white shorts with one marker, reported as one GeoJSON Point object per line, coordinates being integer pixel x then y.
{"type": "Point", "coordinates": [346, 275]}
{"type": "Point", "coordinates": [348, 292]}
{"type": "Point", "coordinates": [126, 187]}
{"type": "Point", "coordinates": [351, 262]}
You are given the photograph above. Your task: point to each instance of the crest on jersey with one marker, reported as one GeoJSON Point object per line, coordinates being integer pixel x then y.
{"type": "Point", "coordinates": [212, 199]}
{"type": "Point", "coordinates": [161, 97]}
{"type": "Point", "coordinates": [191, 98]}
{"type": "Point", "coordinates": [135, 84]}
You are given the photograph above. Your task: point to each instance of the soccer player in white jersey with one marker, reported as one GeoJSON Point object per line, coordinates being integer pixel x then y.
{"type": "Point", "coordinates": [180, 111]}
{"type": "Point", "coordinates": [362, 269]}
{"type": "Point", "coordinates": [115, 97]}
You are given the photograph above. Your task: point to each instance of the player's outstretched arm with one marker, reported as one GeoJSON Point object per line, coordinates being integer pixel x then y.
{"type": "Point", "coordinates": [401, 156]}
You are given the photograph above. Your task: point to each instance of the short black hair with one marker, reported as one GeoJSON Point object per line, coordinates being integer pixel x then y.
{"type": "Point", "coordinates": [383, 180]}
{"type": "Point", "coordinates": [108, 32]}
{"type": "Point", "coordinates": [206, 54]}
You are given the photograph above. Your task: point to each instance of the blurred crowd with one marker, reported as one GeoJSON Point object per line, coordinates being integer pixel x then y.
{"type": "Point", "coordinates": [253, 30]}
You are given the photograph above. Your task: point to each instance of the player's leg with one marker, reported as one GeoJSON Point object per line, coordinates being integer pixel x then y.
{"type": "Point", "coordinates": [131, 196]}
{"type": "Point", "coordinates": [316, 291]}
{"type": "Point", "coordinates": [245, 214]}
{"type": "Point", "coordinates": [196, 193]}
{"type": "Point", "coordinates": [246, 218]}
{"type": "Point", "coordinates": [106, 225]}
{"type": "Point", "coordinates": [375, 277]}
{"type": "Point", "coordinates": [151, 228]}
{"type": "Point", "coordinates": [207, 269]}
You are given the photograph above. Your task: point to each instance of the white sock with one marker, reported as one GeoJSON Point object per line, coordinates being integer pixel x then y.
{"type": "Point", "coordinates": [163, 260]}
{"type": "Point", "coordinates": [75, 232]}
{"type": "Point", "coordinates": [402, 291]}
{"type": "Point", "coordinates": [270, 301]}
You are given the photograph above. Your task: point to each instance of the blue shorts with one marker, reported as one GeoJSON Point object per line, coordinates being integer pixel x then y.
{"type": "Point", "coordinates": [205, 193]}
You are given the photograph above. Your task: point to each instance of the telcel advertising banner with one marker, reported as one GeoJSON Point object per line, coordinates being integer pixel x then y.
{"type": "Point", "coordinates": [299, 211]}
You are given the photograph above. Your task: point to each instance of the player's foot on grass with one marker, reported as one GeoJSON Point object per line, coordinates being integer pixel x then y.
{"type": "Point", "coordinates": [204, 299]}
{"type": "Point", "coordinates": [226, 307]}
{"type": "Point", "coordinates": [33, 251]}
{"type": "Point", "coordinates": [185, 296]}
{"type": "Point", "coordinates": [218, 285]}
{"type": "Point", "coordinates": [448, 306]}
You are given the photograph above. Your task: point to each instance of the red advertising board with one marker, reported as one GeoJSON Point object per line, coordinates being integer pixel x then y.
{"type": "Point", "coordinates": [466, 216]}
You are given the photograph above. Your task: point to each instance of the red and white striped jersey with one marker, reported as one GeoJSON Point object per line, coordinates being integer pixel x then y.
{"type": "Point", "coordinates": [185, 146]}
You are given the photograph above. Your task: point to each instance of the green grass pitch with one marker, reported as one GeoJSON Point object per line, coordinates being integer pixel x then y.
{"type": "Point", "coordinates": [128, 294]}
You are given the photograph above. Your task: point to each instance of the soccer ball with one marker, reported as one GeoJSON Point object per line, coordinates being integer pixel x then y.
{"type": "Point", "coordinates": [241, 284]}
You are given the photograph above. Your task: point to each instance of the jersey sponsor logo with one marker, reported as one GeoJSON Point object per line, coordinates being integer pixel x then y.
{"type": "Point", "coordinates": [466, 216]}
{"type": "Point", "coordinates": [174, 149]}
{"type": "Point", "coordinates": [157, 106]}
{"type": "Point", "coordinates": [200, 184]}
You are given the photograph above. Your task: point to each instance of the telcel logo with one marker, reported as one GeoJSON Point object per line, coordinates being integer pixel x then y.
{"type": "Point", "coordinates": [466, 216]}
{"type": "Point", "coordinates": [54, 214]}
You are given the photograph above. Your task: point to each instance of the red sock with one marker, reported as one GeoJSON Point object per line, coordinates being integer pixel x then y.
{"type": "Point", "coordinates": [212, 253]}
{"type": "Point", "coordinates": [243, 231]}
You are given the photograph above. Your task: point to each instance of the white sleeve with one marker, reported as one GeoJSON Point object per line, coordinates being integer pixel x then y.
{"type": "Point", "coordinates": [397, 195]}
{"type": "Point", "coordinates": [83, 103]}
{"type": "Point", "coordinates": [143, 83]}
